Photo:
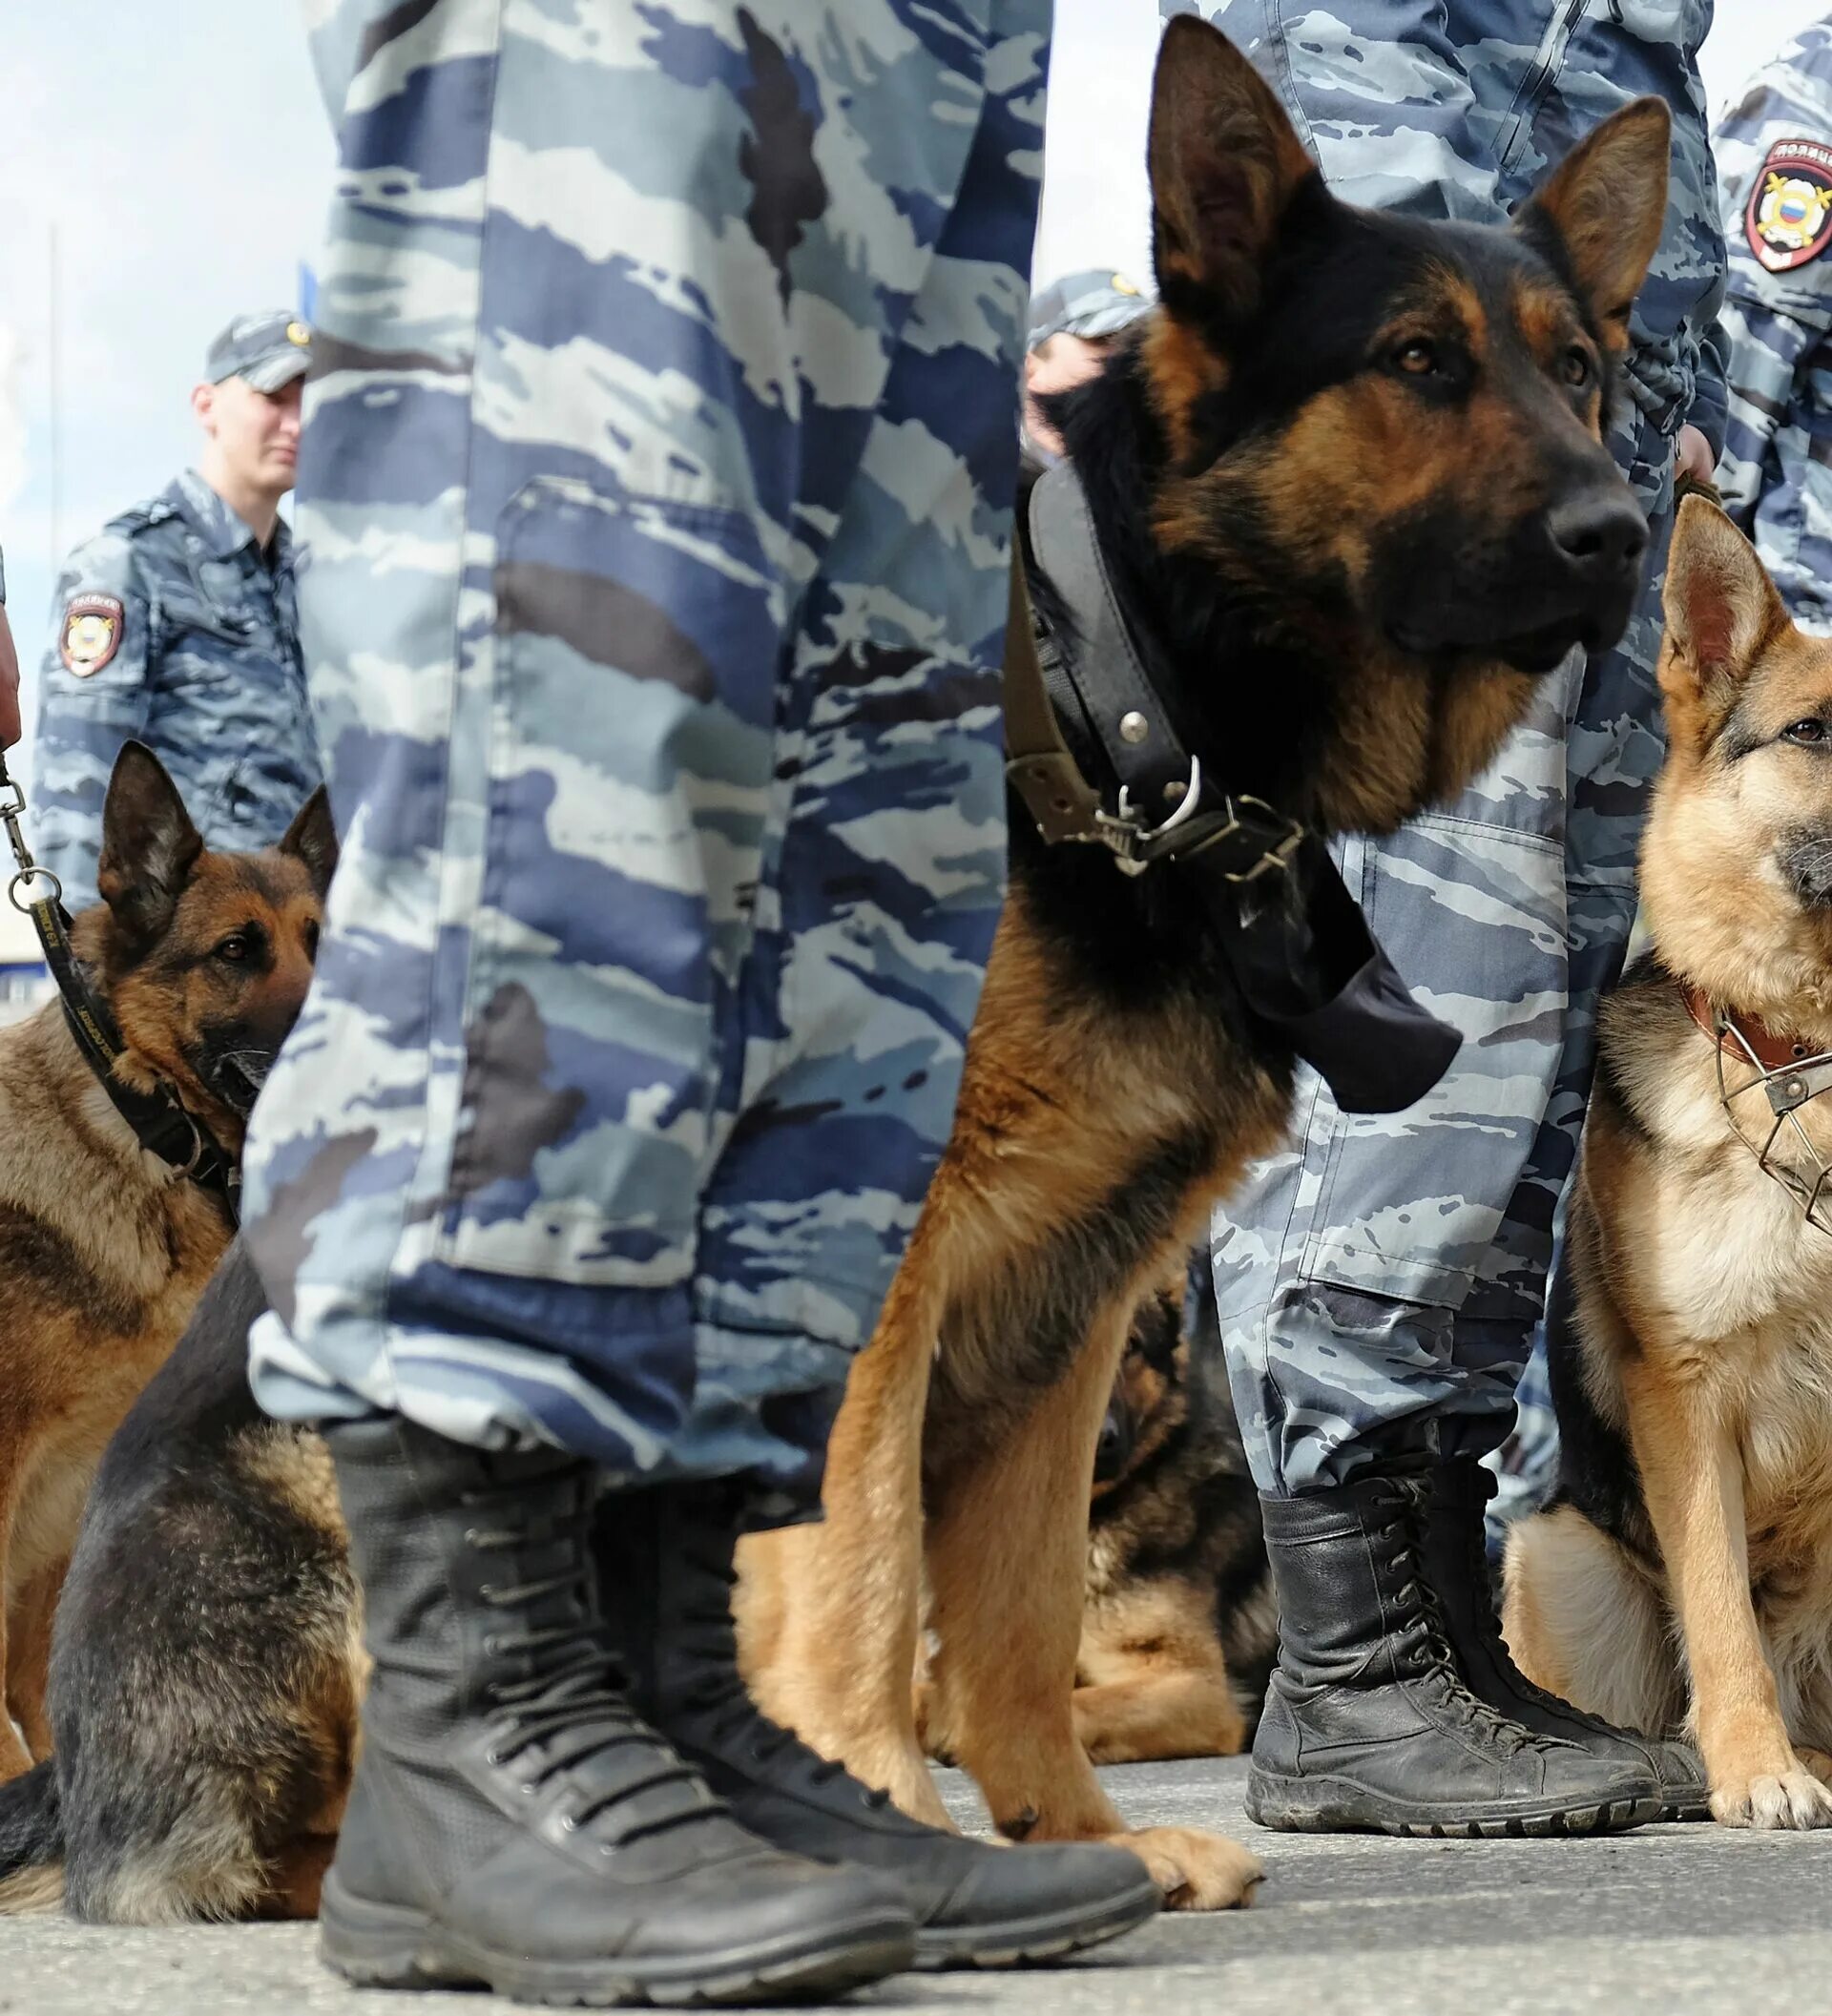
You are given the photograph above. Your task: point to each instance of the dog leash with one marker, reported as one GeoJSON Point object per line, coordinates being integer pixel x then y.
{"type": "Point", "coordinates": [1300, 952]}
{"type": "Point", "coordinates": [160, 1121]}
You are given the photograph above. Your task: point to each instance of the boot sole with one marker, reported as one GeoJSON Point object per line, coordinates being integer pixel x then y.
{"type": "Point", "coordinates": [1047, 1936]}
{"type": "Point", "coordinates": [390, 1946]}
{"type": "Point", "coordinates": [1330, 1806]}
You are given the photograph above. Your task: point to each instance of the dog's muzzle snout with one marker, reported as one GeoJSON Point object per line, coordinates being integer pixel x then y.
{"type": "Point", "coordinates": [1600, 537]}
{"type": "Point", "coordinates": [1115, 1447]}
{"type": "Point", "coordinates": [1806, 862]}
{"type": "Point", "coordinates": [239, 1077]}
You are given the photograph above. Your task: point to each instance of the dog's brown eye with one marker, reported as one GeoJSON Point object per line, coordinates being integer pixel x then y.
{"type": "Point", "coordinates": [1417, 357]}
{"type": "Point", "coordinates": [234, 949]}
{"type": "Point", "coordinates": [1810, 730]}
{"type": "Point", "coordinates": [1576, 366]}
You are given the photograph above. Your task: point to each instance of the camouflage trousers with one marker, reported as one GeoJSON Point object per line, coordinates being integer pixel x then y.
{"type": "Point", "coordinates": [1380, 1283]}
{"type": "Point", "coordinates": [656, 498]}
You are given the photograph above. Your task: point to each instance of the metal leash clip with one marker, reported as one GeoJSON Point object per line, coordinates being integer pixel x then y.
{"type": "Point", "coordinates": [12, 805]}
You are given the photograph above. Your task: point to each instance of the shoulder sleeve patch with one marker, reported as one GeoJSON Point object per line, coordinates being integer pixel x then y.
{"type": "Point", "coordinates": [92, 634]}
{"type": "Point", "coordinates": [1788, 217]}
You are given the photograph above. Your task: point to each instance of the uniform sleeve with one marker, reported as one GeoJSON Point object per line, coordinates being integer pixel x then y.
{"type": "Point", "coordinates": [1776, 196]}
{"type": "Point", "coordinates": [1768, 348]}
{"type": "Point", "coordinates": [92, 694]}
{"type": "Point", "coordinates": [1385, 106]}
{"type": "Point", "coordinates": [1711, 389]}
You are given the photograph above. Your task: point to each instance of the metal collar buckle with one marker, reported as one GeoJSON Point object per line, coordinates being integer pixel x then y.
{"type": "Point", "coordinates": [1190, 831]}
{"type": "Point", "coordinates": [1276, 859]}
{"type": "Point", "coordinates": [1136, 845]}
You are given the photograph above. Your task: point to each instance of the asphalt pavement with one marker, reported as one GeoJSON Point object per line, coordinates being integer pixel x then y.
{"type": "Point", "coordinates": [1669, 1920]}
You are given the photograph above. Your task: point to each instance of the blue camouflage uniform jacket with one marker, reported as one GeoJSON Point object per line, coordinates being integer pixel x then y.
{"type": "Point", "coordinates": [1774, 168]}
{"type": "Point", "coordinates": [171, 626]}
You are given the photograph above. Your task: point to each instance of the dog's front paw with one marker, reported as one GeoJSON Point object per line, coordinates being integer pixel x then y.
{"type": "Point", "coordinates": [1196, 1871]}
{"type": "Point", "coordinates": [1790, 1798]}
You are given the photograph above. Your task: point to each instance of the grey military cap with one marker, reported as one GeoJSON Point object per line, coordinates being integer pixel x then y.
{"type": "Point", "coordinates": [1095, 303]}
{"type": "Point", "coordinates": [269, 350]}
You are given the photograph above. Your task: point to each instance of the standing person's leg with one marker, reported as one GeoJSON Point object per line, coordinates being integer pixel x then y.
{"type": "Point", "coordinates": [1616, 747]}
{"type": "Point", "coordinates": [1617, 744]}
{"type": "Point", "coordinates": [630, 771]}
{"type": "Point", "coordinates": [1374, 1347]}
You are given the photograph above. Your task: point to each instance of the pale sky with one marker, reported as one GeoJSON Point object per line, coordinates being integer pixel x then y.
{"type": "Point", "coordinates": [181, 159]}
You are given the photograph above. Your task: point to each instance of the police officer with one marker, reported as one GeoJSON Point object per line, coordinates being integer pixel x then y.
{"type": "Point", "coordinates": [659, 493]}
{"type": "Point", "coordinates": [1775, 164]}
{"type": "Point", "coordinates": [1378, 1285]}
{"type": "Point", "coordinates": [1073, 322]}
{"type": "Point", "coordinates": [177, 625]}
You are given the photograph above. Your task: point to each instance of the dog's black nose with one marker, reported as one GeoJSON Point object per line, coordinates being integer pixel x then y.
{"type": "Point", "coordinates": [1601, 535]}
{"type": "Point", "coordinates": [1113, 1448]}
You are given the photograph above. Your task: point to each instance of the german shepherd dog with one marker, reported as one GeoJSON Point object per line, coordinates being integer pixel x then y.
{"type": "Point", "coordinates": [1684, 1567]}
{"type": "Point", "coordinates": [203, 960]}
{"type": "Point", "coordinates": [1350, 472]}
{"type": "Point", "coordinates": [208, 1665]}
{"type": "Point", "coordinates": [1179, 1625]}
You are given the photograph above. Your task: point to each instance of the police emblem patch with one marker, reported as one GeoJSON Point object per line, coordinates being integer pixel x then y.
{"type": "Point", "coordinates": [93, 625]}
{"type": "Point", "coordinates": [1788, 219]}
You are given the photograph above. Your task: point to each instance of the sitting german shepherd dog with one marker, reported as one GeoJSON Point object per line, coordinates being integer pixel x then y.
{"type": "Point", "coordinates": [201, 959]}
{"type": "Point", "coordinates": [1684, 1568]}
{"type": "Point", "coordinates": [1348, 491]}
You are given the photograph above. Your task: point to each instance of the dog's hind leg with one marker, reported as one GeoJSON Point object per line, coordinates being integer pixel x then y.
{"type": "Point", "coordinates": [828, 1614]}
{"type": "Point", "coordinates": [1007, 1546]}
{"type": "Point", "coordinates": [29, 1664]}
{"type": "Point", "coordinates": [1582, 1622]}
{"type": "Point", "coordinates": [14, 1756]}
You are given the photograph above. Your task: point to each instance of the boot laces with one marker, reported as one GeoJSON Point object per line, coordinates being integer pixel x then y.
{"type": "Point", "coordinates": [1426, 1641]}
{"type": "Point", "coordinates": [1489, 1628]}
{"type": "Point", "coordinates": [719, 1692]}
{"type": "Point", "coordinates": [572, 1705]}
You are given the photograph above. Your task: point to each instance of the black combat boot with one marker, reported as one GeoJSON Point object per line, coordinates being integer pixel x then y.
{"type": "Point", "coordinates": [1456, 1565]}
{"type": "Point", "coordinates": [665, 1584]}
{"type": "Point", "coordinates": [512, 1822]}
{"type": "Point", "coordinates": [1368, 1723]}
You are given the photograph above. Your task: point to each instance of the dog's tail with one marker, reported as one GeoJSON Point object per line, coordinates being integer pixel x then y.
{"type": "Point", "coordinates": [31, 1843]}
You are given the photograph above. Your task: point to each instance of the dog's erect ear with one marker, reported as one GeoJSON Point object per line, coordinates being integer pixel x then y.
{"type": "Point", "coordinates": [1607, 201]}
{"type": "Point", "coordinates": [149, 845]}
{"type": "Point", "coordinates": [1722, 607]}
{"type": "Point", "coordinates": [312, 837]}
{"type": "Point", "coordinates": [1224, 163]}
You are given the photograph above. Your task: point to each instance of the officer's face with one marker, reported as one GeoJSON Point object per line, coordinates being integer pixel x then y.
{"type": "Point", "coordinates": [1056, 363]}
{"type": "Point", "coordinates": [256, 433]}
